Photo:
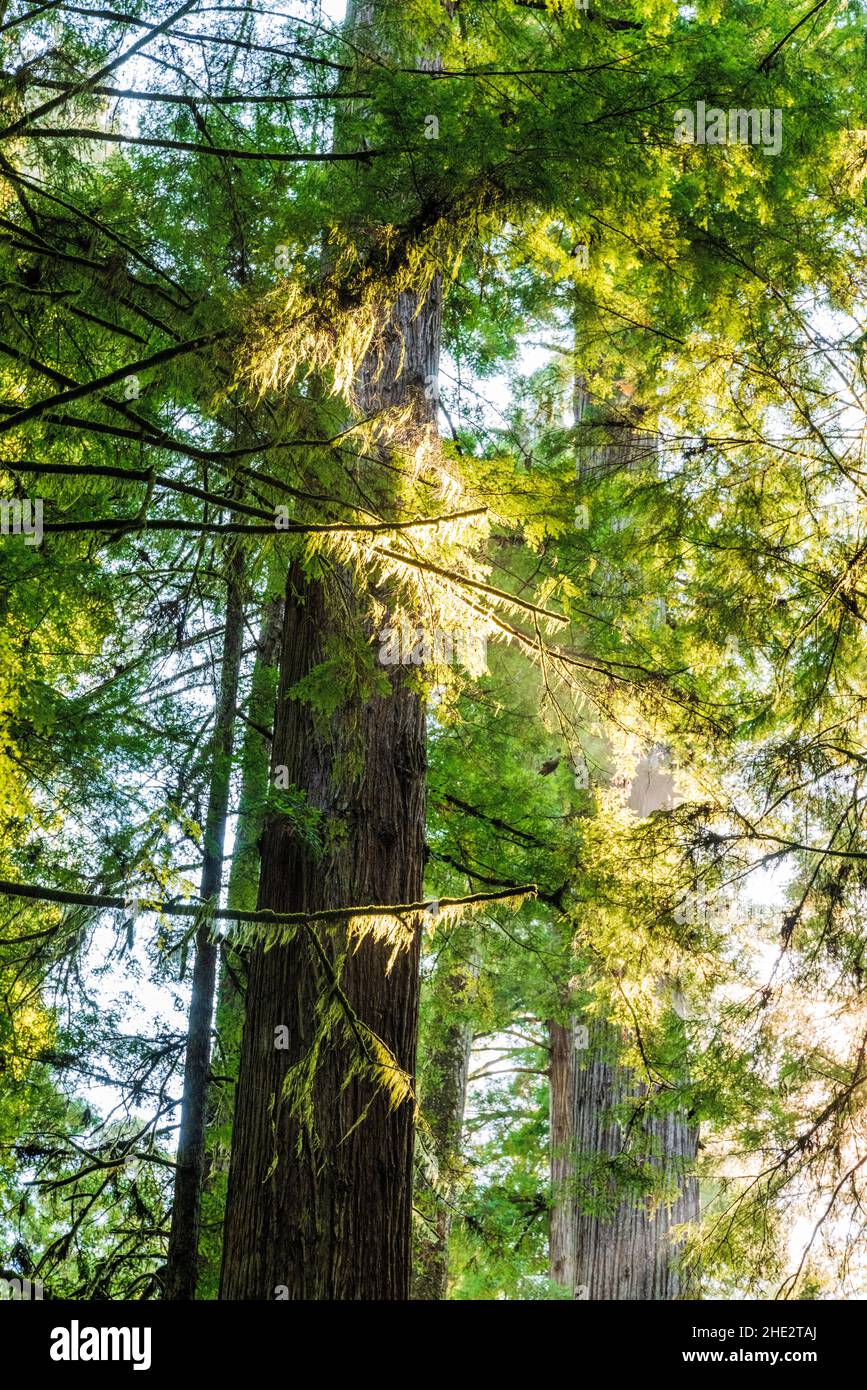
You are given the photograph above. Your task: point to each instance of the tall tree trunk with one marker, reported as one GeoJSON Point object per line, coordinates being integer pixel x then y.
{"type": "Point", "coordinates": [626, 1251]}
{"type": "Point", "coordinates": [182, 1261]}
{"type": "Point", "coordinates": [320, 1200]}
{"type": "Point", "coordinates": [322, 1210]}
{"type": "Point", "coordinates": [443, 1086]}
{"type": "Point", "coordinates": [563, 1228]}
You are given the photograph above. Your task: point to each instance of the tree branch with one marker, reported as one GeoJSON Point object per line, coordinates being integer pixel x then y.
{"type": "Point", "coordinates": [212, 528]}
{"type": "Point", "coordinates": [154, 30]}
{"type": "Point", "coordinates": [37, 893]}
{"type": "Point", "coordinates": [219, 152]}
{"type": "Point", "coordinates": [75, 393]}
{"type": "Point", "coordinates": [768, 59]}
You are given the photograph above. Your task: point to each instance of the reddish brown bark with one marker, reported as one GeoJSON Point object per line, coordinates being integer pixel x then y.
{"type": "Point", "coordinates": [332, 1219]}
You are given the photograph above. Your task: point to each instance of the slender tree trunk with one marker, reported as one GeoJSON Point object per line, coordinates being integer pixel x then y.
{"type": "Point", "coordinates": [443, 1086]}
{"type": "Point", "coordinates": [255, 758]}
{"type": "Point", "coordinates": [182, 1261]}
{"type": "Point", "coordinates": [242, 893]}
{"type": "Point", "coordinates": [563, 1232]}
{"type": "Point", "coordinates": [624, 1250]}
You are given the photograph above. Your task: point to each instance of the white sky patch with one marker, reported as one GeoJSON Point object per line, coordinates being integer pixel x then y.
{"type": "Point", "coordinates": [146, 1008]}
{"type": "Point", "coordinates": [766, 885]}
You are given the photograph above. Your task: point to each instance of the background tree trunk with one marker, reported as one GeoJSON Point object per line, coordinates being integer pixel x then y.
{"type": "Point", "coordinates": [182, 1260]}
{"type": "Point", "coordinates": [622, 1249]}
{"type": "Point", "coordinates": [443, 1086]}
{"type": "Point", "coordinates": [242, 893]}
{"type": "Point", "coordinates": [628, 1252]}
{"type": "Point", "coordinates": [255, 758]}
{"type": "Point", "coordinates": [563, 1232]}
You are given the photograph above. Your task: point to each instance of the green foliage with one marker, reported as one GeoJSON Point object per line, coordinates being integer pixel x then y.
{"type": "Point", "coordinates": [712, 346]}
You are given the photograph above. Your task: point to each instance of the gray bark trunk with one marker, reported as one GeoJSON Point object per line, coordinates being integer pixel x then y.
{"type": "Point", "coordinates": [563, 1231]}
{"type": "Point", "coordinates": [241, 893]}
{"type": "Point", "coordinates": [443, 1087]}
{"type": "Point", "coordinates": [182, 1265]}
{"type": "Point", "coordinates": [602, 1247]}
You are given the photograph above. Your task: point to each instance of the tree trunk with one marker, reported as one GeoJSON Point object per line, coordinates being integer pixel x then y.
{"type": "Point", "coordinates": [332, 1219]}
{"type": "Point", "coordinates": [320, 1199]}
{"type": "Point", "coordinates": [601, 1247]}
{"type": "Point", "coordinates": [254, 760]}
{"type": "Point", "coordinates": [182, 1260]}
{"type": "Point", "coordinates": [242, 892]}
{"type": "Point", "coordinates": [443, 1101]}
{"type": "Point", "coordinates": [563, 1230]}
{"type": "Point", "coordinates": [624, 1249]}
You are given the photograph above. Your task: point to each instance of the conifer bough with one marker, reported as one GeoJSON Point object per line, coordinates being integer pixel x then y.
{"type": "Point", "coordinates": [170, 908]}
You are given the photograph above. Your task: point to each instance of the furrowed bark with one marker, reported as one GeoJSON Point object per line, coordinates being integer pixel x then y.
{"type": "Point", "coordinates": [320, 1205]}
{"type": "Point", "coordinates": [332, 1219]}
{"type": "Point", "coordinates": [627, 1253]}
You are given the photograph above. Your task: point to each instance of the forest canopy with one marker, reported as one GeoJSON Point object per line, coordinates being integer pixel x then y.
{"type": "Point", "coordinates": [433, 555]}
